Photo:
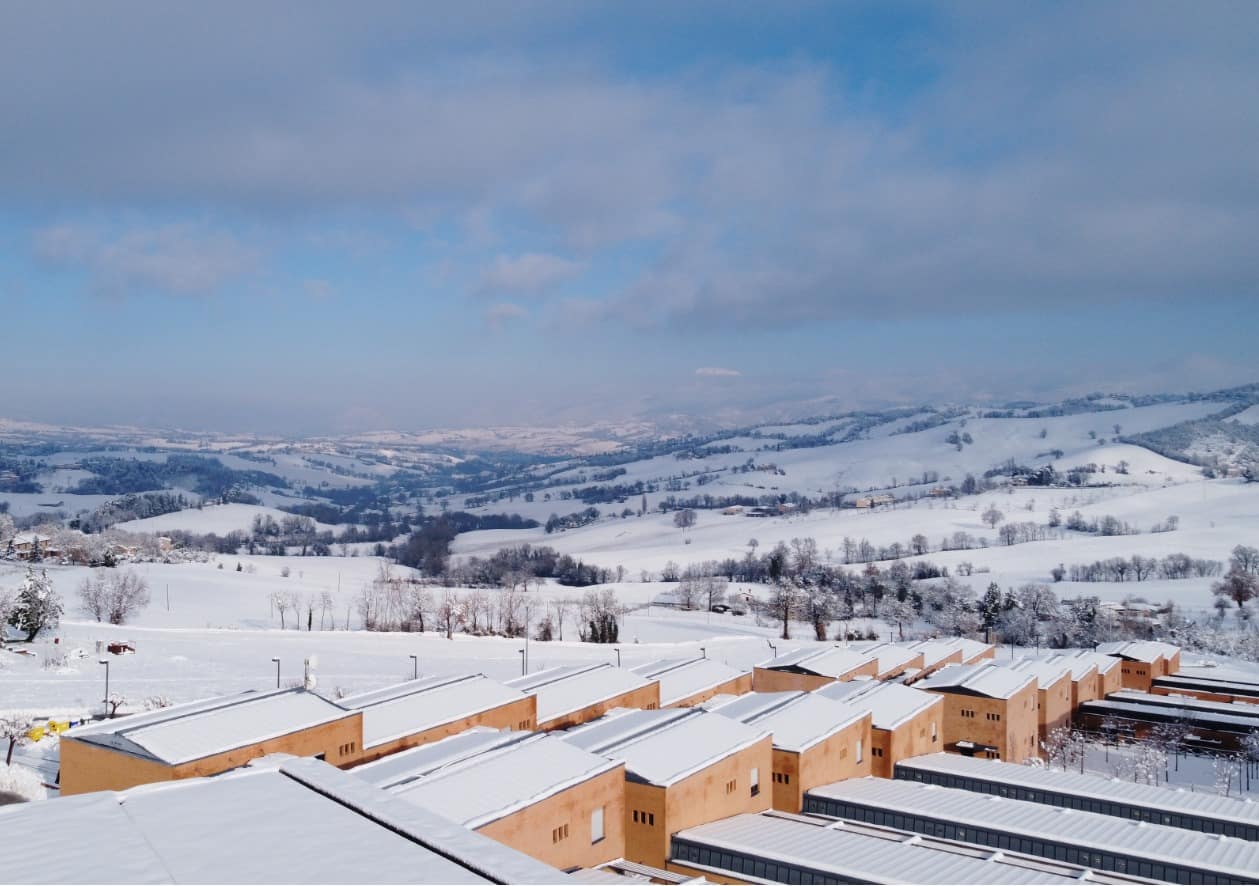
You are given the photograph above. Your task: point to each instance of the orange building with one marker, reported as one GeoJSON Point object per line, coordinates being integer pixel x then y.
{"type": "Point", "coordinates": [570, 695]}
{"type": "Point", "coordinates": [989, 711]}
{"type": "Point", "coordinates": [1053, 693]}
{"type": "Point", "coordinates": [421, 711]}
{"type": "Point", "coordinates": [891, 660]}
{"type": "Point", "coordinates": [905, 722]}
{"type": "Point", "coordinates": [816, 740]}
{"type": "Point", "coordinates": [811, 667]}
{"type": "Point", "coordinates": [206, 738]}
{"type": "Point", "coordinates": [688, 682]}
{"type": "Point", "coordinates": [683, 767]}
{"type": "Point", "coordinates": [1143, 661]}
{"type": "Point", "coordinates": [533, 792]}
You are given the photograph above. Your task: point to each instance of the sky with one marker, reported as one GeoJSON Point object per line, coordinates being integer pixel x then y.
{"type": "Point", "coordinates": [312, 217]}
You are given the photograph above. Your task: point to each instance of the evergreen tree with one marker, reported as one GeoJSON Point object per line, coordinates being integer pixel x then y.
{"type": "Point", "coordinates": [38, 605]}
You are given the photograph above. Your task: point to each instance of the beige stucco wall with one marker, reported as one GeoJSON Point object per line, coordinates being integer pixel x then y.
{"type": "Point", "coordinates": [645, 697]}
{"type": "Point", "coordinates": [531, 830]}
{"type": "Point", "coordinates": [740, 685]}
{"type": "Point", "coordinates": [520, 714]}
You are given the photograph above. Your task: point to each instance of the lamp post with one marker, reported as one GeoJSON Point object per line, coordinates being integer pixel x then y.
{"type": "Point", "coordinates": [277, 672]}
{"type": "Point", "coordinates": [415, 668]}
{"type": "Point", "coordinates": [773, 648]}
{"type": "Point", "coordinates": [618, 657]}
{"type": "Point", "coordinates": [105, 662]}
{"type": "Point", "coordinates": [522, 661]}
{"type": "Point", "coordinates": [704, 651]}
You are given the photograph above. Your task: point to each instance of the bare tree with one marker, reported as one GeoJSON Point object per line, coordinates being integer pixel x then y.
{"type": "Point", "coordinates": [280, 601]}
{"type": "Point", "coordinates": [684, 519]}
{"type": "Point", "coordinates": [784, 603]}
{"type": "Point", "coordinates": [992, 516]}
{"type": "Point", "coordinates": [15, 728]}
{"type": "Point", "coordinates": [450, 613]}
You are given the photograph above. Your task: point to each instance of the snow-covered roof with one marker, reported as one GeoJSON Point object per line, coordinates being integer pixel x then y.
{"type": "Point", "coordinates": [829, 661]}
{"type": "Point", "coordinates": [568, 688]}
{"type": "Point", "coordinates": [189, 732]}
{"type": "Point", "coordinates": [298, 821]}
{"type": "Point", "coordinates": [1160, 799]}
{"type": "Point", "coordinates": [936, 651]}
{"type": "Point", "coordinates": [1192, 681]}
{"type": "Point", "coordinates": [399, 768]}
{"type": "Point", "coordinates": [1233, 708]}
{"type": "Point", "coordinates": [797, 720]}
{"type": "Point", "coordinates": [1223, 721]}
{"type": "Point", "coordinates": [662, 747]}
{"type": "Point", "coordinates": [501, 777]}
{"type": "Point", "coordinates": [412, 707]}
{"type": "Point", "coordinates": [889, 704]}
{"type": "Point", "coordinates": [858, 853]}
{"type": "Point", "coordinates": [1227, 855]}
{"type": "Point", "coordinates": [1047, 672]}
{"type": "Point", "coordinates": [682, 678]}
{"type": "Point", "coordinates": [1147, 651]}
{"type": "Point", "coordinates": [978, 679]}
{"type": "Point", "coordinates": [888, 655]}
{"type": "Point", "coordinates": [1082, 664]}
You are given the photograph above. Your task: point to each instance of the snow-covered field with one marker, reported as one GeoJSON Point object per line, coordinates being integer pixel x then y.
{"type": "Point", "coordinates": [211, 628]}
{"type": "Point", "coordinates": [219, 519]}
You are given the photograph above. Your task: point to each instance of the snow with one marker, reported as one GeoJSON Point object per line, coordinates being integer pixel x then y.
{"type": "Point", "coordinates": [682, 679]}
{"type": "Point", "coordinates": [20, 780]}
{"type": "Point", "coordinates": [409, 708]}
{"type": "Point", "coordinates": [889, 704]}
{"type": "Point", "coordinates": [662, 747]}
{"type": "Point", "coordinates": [835, 661]}
{"type": "Point", "coordinates": [494, 783]}
{"type": "Point", "coordinates": [299, 822]}
{"type": "Point", "coordinates": [184, 733]}
{"type": "Point", "coordinates": [797, 722]}
{"type": "Point", "coordinates": [1230, 856]}
{"type": "Point", "coordinates": [861, 855]}
{"type": "Point", "coordinates": [563, 690]}
{"type": "Point", "coordinates": [985, 679]}
{"type": "Point", "coordinates": [219, 519]}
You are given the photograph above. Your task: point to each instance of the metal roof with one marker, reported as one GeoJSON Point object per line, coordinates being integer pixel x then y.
{"type": "Point", "coordinates": [1204, 804]}
{"type": "Point", "coordinates": [665, 746]}
{"type": "Point", "coordinates": [1232, 708]}
{"type": "Point", "coordinates": [189, 732]}
{"type": "Point", "coordinates": [301, 821]}
{"type": "Point", "coordinates": [1047, 673]}
{"type": "Point", "coordinates": [1188, 681]}
{"type": "Point", "coordinates": [1147, 651]}
{"type": "Point", "coordinates": [797, 720]}
{"type": "Point", "coordinates": [829, 661]}
{"type": "Point", "coordinates": [889, 704]}
{"type": "Point", "coordinates": [1169, 713]}
{"type": "Point", "coordinates": [408, 708]}
{"type": "Point", "coordinates": [493, 783]}
{"type": "Point", "coordinates": [682, 678]}
{"type": "Point", "coordinates": [864, 854]}
{"type": "Point", "coordinates": [978, 679]}
{"type": "Point", "coordinates": [1034, 820]}
{"type": "Point", "coordinates": [568, 688]}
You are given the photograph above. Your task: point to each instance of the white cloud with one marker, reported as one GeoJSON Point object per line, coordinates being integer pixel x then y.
{"type": "Point", "coordinates": [499, 316]}
{"type": "Point", "coordinates": [532, 272]}
{"type": "Point", "coordinates": [717, 372]}
{"type": "Point", "coordinates": [168, 259]}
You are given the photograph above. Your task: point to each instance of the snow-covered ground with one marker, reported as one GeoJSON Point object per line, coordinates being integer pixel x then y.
{"type": "Point", "coordinates": [219, 519]}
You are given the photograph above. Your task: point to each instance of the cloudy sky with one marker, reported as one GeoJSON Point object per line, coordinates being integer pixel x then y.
{"type": "Point", "coordinates": [332, 216]}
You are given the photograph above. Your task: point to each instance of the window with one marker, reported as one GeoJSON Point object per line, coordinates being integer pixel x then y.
{"type": "Point", "coordinates": [878, 752]}
{"type": "Point", "coordinates": [755, 780]}
{"type": "Point", "coordinates": [731, 785]}
{"type": "Point", "coordinates": [970, 715]}
{"type": "Point", "coordinates": [559, 833]}
{"type": "Point", "coordinates": [782, 778]}
{"type": "Point", "coordinates": [991, 716]}
{"type": "Point", "coordinates": [596, 825]}
{"type": "Point", "coordinates": [859, 754]}
{"type": "Point", "coordinates": [934, 733]}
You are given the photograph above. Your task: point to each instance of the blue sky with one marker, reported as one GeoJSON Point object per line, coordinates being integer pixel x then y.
{"type": "Point", "coordinates": [319, 217]}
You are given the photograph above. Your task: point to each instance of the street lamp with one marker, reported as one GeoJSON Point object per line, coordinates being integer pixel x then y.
{"type": "Point", "coordinates": [618, 657]}
{"type": "Point", "coordinates": [522, 661]}
{"type": "Point", "coordinates": [105, 662]}
{"type": "Point", "coordinates": [277, 672]}
{"type": "Point", "coordinates": [704, 651]}
{"type": "Point", "coordinates": [415, 668]}
{"type": "Point", "coordinates": [773, 648]}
